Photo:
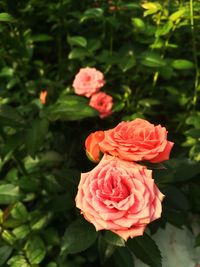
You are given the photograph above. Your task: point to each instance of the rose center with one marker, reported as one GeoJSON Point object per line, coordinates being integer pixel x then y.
{"type": "Point", "coordinates": [113, 189]}
{"type": "Point", "coordinates": [87, 78]}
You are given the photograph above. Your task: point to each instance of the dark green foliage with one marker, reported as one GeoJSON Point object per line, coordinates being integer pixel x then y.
{"type": "Point", "coordinates": [148, 53]}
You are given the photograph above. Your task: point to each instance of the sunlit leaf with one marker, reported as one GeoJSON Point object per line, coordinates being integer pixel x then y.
{"type": "Point", "coordinates": [9, 194]}
{"type": "Point", "coordinates": [182, 64]}
{"type": "Point", "coordinates": [35, 250]}
{"type": "Point", "coordinates": [5, 17]}
{"type": "Point", "coordinates": [77, 40]}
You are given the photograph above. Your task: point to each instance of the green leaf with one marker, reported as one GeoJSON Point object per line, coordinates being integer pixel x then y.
{"type": "Point", "coordinates": [41, 38]}
{"type": "Point", "coordinates": [9, 116]}
{"type": "Point", "coordinates": [93, 45]}
{"type": "Point", "coordinates": [29, 184]}
{"type": "Point", "coordinates": [118, 106]}
{"type": "Point", "coordinates": [5, 252]}
{"type": "Point", "coordinates": [197, 241]}
{"type": "Point", "coordinates": [151, 8]}
{"type": "Point", "coordinates": [183, 169]}
{"type": "Point", "coordinates": [11, 223]}
{"type": "Point", "coordinates": [9, 194]}
{"type": "Point", "coordinates": [151, 5]}
{"type": "Point", "coordinates": [105, 249]}
{"type": "Point", "coordinates": [146, 250]}
{"type": "Point", "coordinates": [56, 203]}
{"type": "Point", "coordinates": [36, 135]}
{"type": "Point", "coordinates": [8, 237]}
{"type": "Point", "coordinates": [92, 13]}
{"type": "Point", "coordinates": [5, 17]}
{"type": "Point", "coordinates": [176, 217]}
{"type": "Point", "coordinates": [177, 15]}
{"type": "Point", "coordinates": [79, 236]}
{"type": "Point", "coordinates": [39, 221]}
{"type": "Point", "coordinates": [22, 231]}
{"type": "Point", "coordinates": [164, 29]}
{"type": "Point", "coordinates": [166, 72]}
{"type": "Point", "coordinates": [50, 159]}
{"type": "Point", "coordinates": [148, 102]}
{"type": "Point", "coordinates": [19, 212]}
{"type": "Point", "coordinates": [114, 239]}
{"type": "Point", "coordinates": [51, 236]}
{"type": "Point", "coordinates": [7, 72]}
{"type": "Point", "coordinates": [194, 120]}
{"type": "Point", "coordinates": [70, 108]}
{"type": "Point", "coordinates": [153, 60]}
{"type": "Point", "coordinates": [127, 63]}
{"type": "Point", "coordinates": [77, 40]}
{"type": "Point", "coordinates": [35, 250]}
{"type": "Point", "coordinates": [195, 133]}
{"type": "Point", "coordinates": [78, 53]}
{"type": "Point", "coordinates": [18, 261]}
{"type": "Point", "coordinates": [123, 257]}
{"type": "Point", "coordinates": [131, 5]}
{"type": "Point", "coordinates": [12, 143]}
{"type": "Point", "coordinates": [175, 198]}
{"type": "Point", "coordinates": [139, 24]}
{"type": "Point", "coordinates": [182, 64]}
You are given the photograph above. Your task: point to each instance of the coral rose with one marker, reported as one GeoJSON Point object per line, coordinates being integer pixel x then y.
{"type": "Point", "coordinates": [103, 103]}
{"type": "Point", "coordinates": [137, 140]}
{"type": "Point", "coordinates": [88, 81]}
{"type": "Point", "coordinates": [92, 145]}
{"type": "Point", "coordinates": [43, 96]}
{"type": "Point", "coordinates": [119, 196]}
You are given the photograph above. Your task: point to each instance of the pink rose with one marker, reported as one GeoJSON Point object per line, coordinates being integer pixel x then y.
{"type": "Point", "coordinates": [88, 81]}
{"type": "Point", "coordinates": [119, 196]}
{"type": "Point", "coordinates": [92, 145]}
{"type": "Point", "coordinates": [137, 140]}
{"type": "Point", "coordinates": [103, 103]}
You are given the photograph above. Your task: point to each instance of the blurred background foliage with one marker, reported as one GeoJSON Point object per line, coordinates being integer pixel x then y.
{"type": "Point", "coordinates": [149, 54]}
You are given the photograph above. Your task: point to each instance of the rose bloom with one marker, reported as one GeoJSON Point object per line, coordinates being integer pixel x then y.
{"type": "Point", "coordinates": [103, 103]}
{"type": "Point", "coordinates": [88, 81]}
{"type": "Point", "coordinates": [43, 96]}
{"type": "Point", "coordinates": [119, 196]}
{"type": "Point", "coordinates": [92, 145]}
{"type": "Point", "coordinates": [137, 140]}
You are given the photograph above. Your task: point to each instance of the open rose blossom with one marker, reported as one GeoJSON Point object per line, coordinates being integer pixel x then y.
{"type": "Point", "coordinates": [103, 103]}
{"type": "Point", "coordinates": [119, 196]}
{"type": "Point", "coordinates": [92, 145]}
{"type": "Point", "coordinates": [88, 81]}
{"type": "Point", "coordinates": [137, 140]}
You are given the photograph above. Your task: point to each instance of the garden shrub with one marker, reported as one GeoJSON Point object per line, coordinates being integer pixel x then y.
{"type": "Point", "coordinates": [149, 57]}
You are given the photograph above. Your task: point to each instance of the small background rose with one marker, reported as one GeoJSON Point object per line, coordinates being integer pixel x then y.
{"type": "Point", "coordinates": [103, 103]}
{"type": "Point", "coordinates": [88, 81]}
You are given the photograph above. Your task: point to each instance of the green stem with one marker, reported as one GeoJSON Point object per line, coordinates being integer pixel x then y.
{"type": "Point", "coordinates": [156, 74]}
{"type": "Point", "coordinates": [194, 49]}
